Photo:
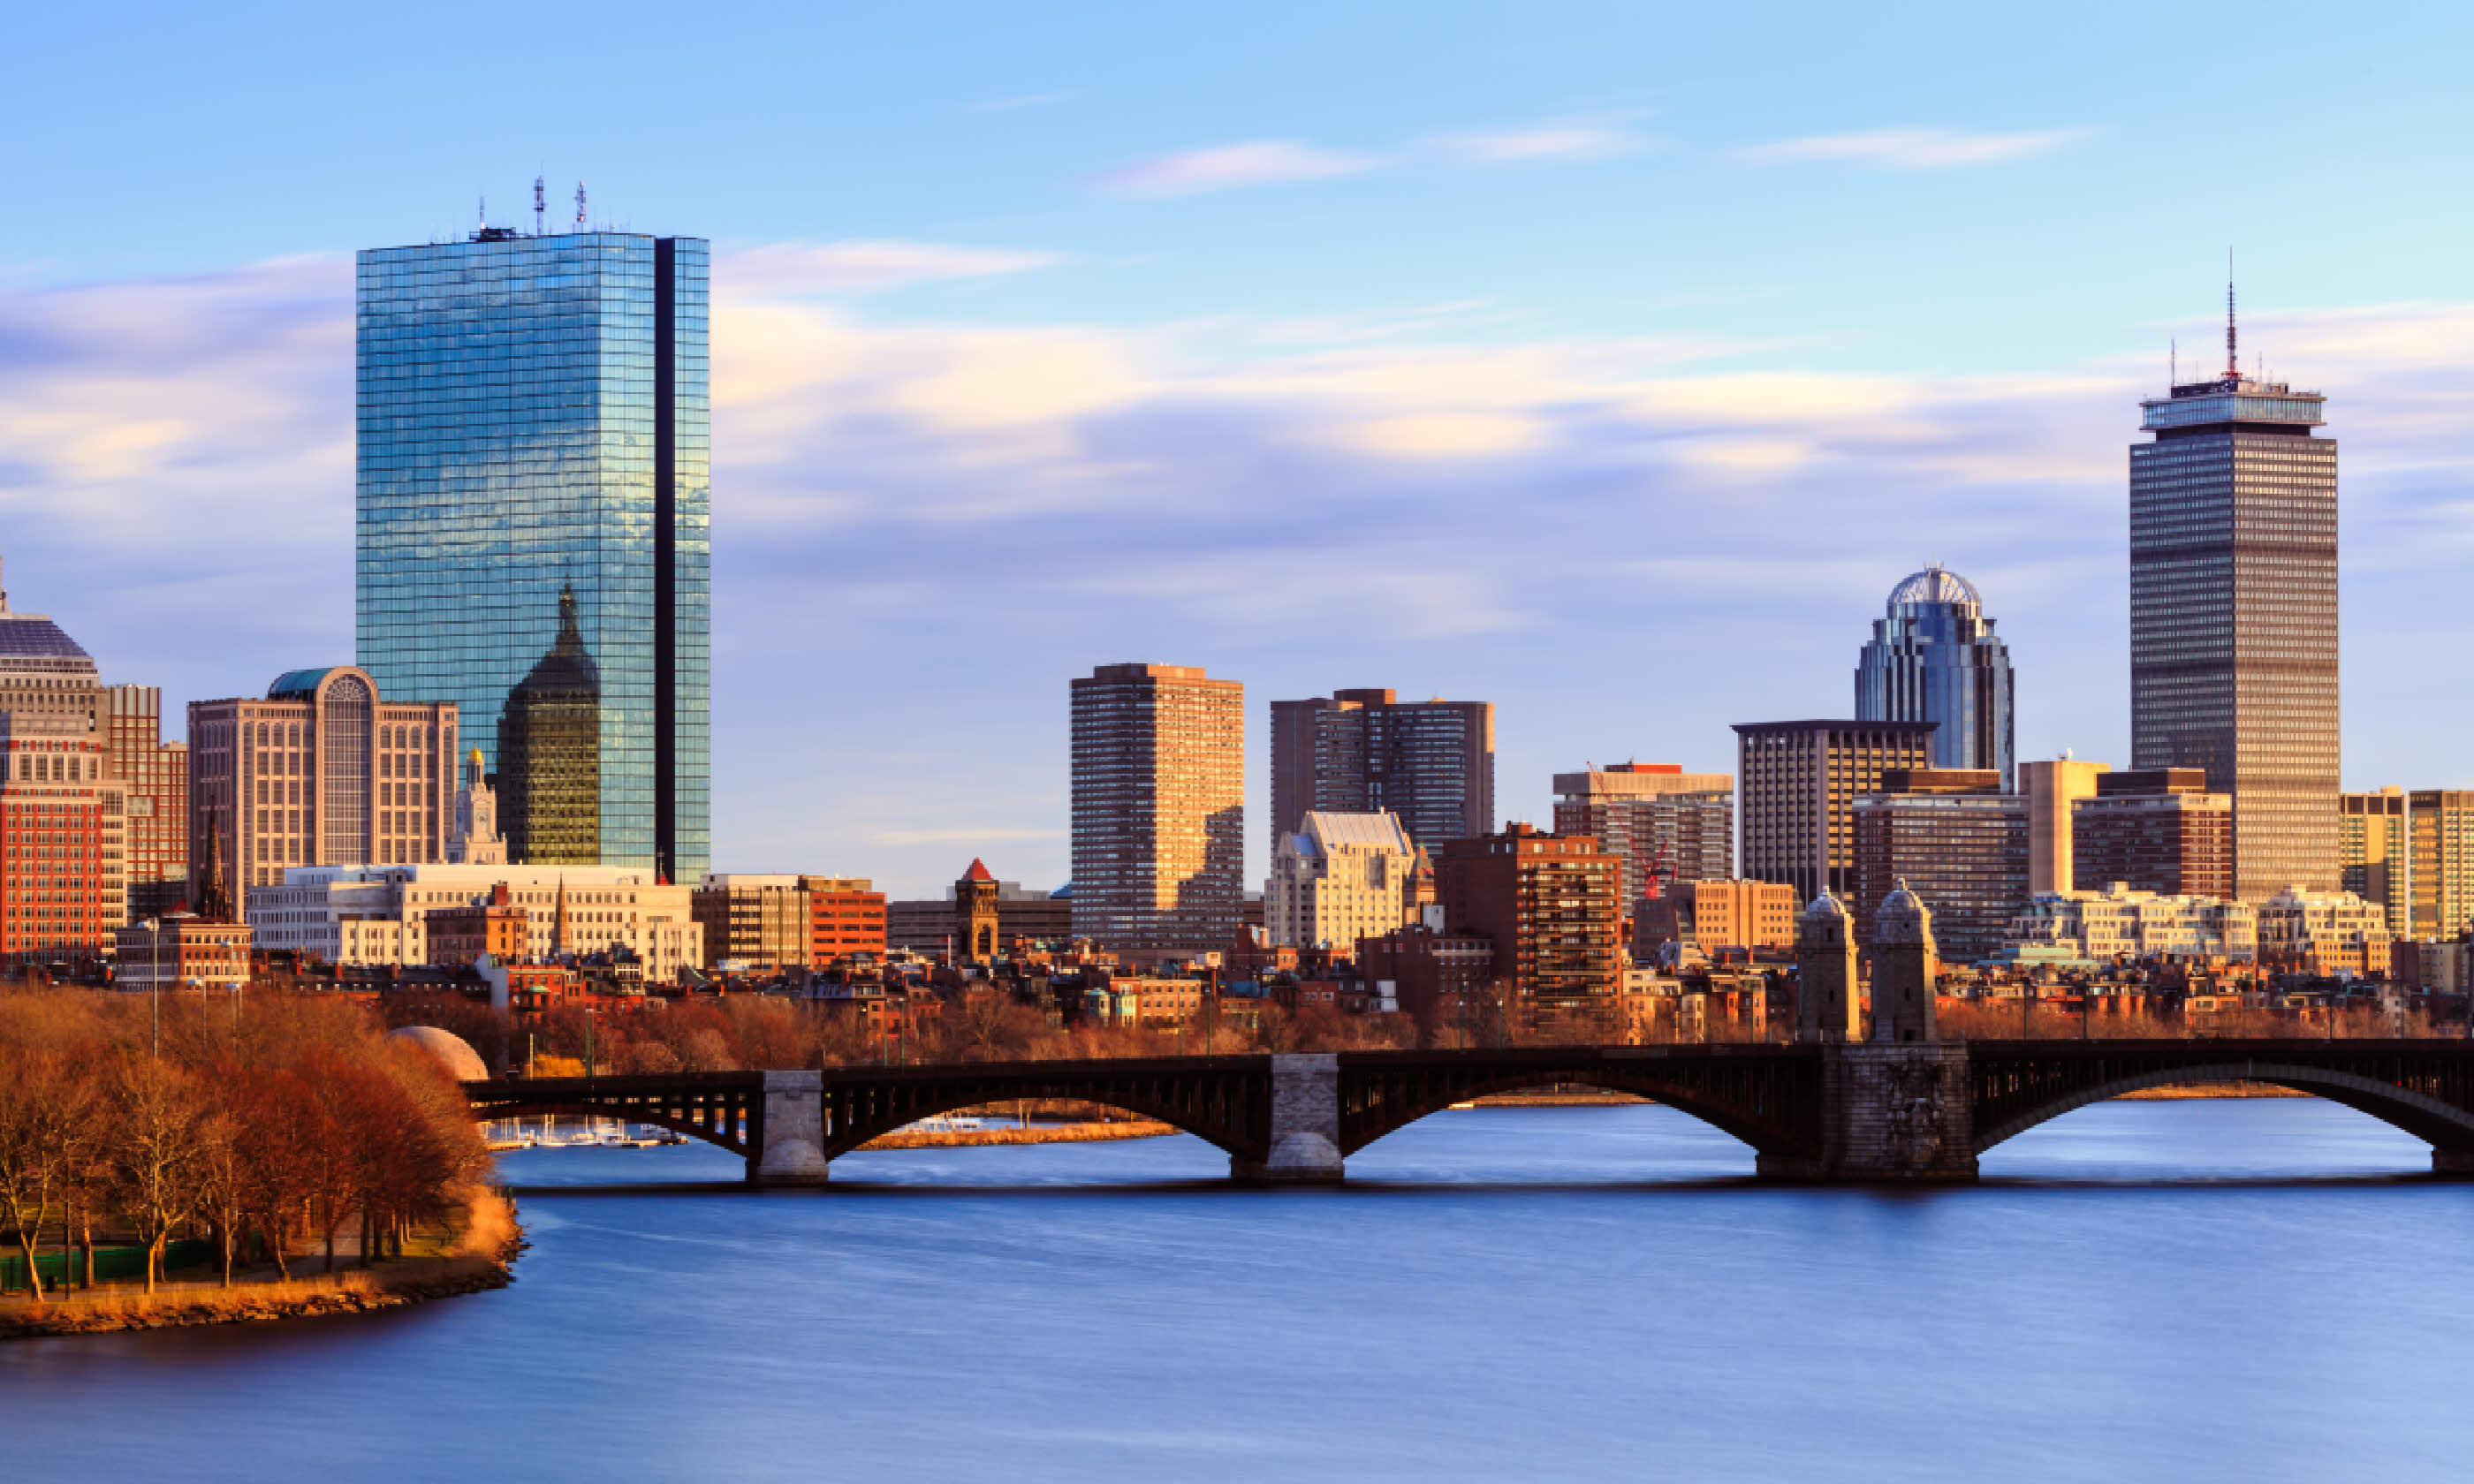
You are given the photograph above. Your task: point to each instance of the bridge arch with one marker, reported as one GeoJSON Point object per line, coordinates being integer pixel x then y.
{"type": "Point", "coordinates": [731, 1134]}
{"type": "Point", "coordinates": [848, 1134]}
{"type": "Point", "coordinates": [2442, 1125]}
{"type": "Point", "coordinates": [1750, 1104]}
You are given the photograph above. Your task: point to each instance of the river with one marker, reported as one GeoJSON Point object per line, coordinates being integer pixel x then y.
{"type": "Point", "coordinates": [2259, 1289]}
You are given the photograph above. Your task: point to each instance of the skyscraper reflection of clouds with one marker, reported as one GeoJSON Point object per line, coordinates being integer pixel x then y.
{"type": "Point", "coordinates": [533, 526]}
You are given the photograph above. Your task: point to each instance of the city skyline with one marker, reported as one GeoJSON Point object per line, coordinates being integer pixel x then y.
{"type": "Point", "coordinates": [1655, 421]}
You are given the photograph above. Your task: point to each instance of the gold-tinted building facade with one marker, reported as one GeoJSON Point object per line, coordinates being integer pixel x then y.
{"type": "Point", "coordinates": [1159, 808]}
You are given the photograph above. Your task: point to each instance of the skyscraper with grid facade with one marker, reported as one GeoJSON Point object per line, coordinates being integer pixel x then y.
{"type": "Point", "coordinates": [533, 526]}
{"type": "Point", "coordinates": [1159, 808]}
{"type": "Point", "coordinates": [2233, 615]}
{"type": "Point", "coordinates": [1368, 752]}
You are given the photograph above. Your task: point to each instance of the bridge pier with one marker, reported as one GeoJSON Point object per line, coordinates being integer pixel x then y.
{"type": "Point", "coordinates": [1890, 1111]}
{"type": "Point", "coordinates": [2452, 1161]}
{"type": "Point", "coordinates": [790, 1134]}
{"type": "Point", "coordinates": [1305, 1125]}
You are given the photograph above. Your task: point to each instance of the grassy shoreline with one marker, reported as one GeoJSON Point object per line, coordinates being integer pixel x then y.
{"type": "Point", "coordinates": [1035, 1133]}
{"type": "Point", "coordinates": [480, 1257]}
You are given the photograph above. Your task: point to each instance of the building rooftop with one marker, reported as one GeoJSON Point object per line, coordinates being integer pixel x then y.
{"type": "Point", "coordinates": [1935, 584]}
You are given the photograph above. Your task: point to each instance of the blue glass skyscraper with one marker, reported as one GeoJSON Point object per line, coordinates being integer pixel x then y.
{"type": "Point", "coordinates": [533, 526]}
{"type": "Point", "coordinates": [1933, 658]}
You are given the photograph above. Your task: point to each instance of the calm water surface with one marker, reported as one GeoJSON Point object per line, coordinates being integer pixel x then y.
{"type": "Point", "coordinates": [2261, 1290]}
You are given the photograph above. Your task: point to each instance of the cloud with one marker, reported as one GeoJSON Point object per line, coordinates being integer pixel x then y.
{"type": "Point", "coordinates": [1545, 142]}
{"type": "Point", "coordinates": [1235, 167]}
{"type": "Point", "coordinates": [922, 529]}
{"type": "Point", "coordinates": [1914, 149]}
{"type": "Point", "coordinates": [785, 269]}
{"type": "Point", "coordinates": [1291, 161]}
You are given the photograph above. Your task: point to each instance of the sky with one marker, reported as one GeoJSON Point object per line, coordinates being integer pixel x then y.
{"type": "Point", "coordinates": [1607, 362]}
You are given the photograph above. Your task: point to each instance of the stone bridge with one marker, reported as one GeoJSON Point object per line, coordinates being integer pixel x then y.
{"type": "Point", "coordinates": [1839, 1112]}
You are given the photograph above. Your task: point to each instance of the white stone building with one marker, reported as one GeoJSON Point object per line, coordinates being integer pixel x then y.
{"type": "Point", "coordinates": [1337, 878]}
{"type": "Point", "coordinates": [379, 913]}
{"type": "Point", "coordinates": [2118, 922]}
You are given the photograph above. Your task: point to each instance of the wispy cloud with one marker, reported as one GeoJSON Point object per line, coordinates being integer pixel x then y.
{"type": "Point", "coordinates": [1914, 149]}
{"type": "Point", "coordinates": [1544, 142]}
{"type": "Point", "coordinates": [1234, 167]}
{"type": "Point", "coordinates": [999, 508]}
{"type": "Point", "coordinates": [1292, 161]}
{"type": "Point", "coordinates": [790, 269]}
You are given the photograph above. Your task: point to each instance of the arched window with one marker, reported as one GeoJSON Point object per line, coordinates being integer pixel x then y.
{"type": "Point", "coordinates": [344, 741]}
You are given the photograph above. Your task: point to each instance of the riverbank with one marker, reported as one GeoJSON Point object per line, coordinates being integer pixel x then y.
{"type": "Point", "coordinates": [2202, 1089]}
{"type": "Point", "coordinates": [480, 1257]}
{"type": "Point", "coordinates": [1034, 1134]}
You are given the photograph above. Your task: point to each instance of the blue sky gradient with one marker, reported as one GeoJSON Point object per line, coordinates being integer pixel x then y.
{"type": "Point", "coordinates": [1607, 362]}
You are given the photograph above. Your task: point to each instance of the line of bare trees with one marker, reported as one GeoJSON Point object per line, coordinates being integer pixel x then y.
{"type": "Point", "coordinates": [271, 1126]}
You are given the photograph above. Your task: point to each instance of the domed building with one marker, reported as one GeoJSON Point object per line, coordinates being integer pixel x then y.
{"type": "Point", "coordinates": [63, 890]}
{"type": "Point", "coordinates": [1933, 658]}
{"type": "Point", "coordinates": [449, 1050]}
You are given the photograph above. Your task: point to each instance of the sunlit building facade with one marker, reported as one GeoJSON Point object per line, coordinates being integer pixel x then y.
{"type": "Point", "coordinates": [2233, 616]}
{"type": "Point", "coordinates": [324, 771]}
{"type": "Point", "coordinates": [1159, 808]}
{"type": "Point", "coordinates": [533, 526]}
{"type": "Point", "coordinates": [2372, 851]}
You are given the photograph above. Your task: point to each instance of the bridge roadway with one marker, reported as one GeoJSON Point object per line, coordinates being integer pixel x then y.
{"type": "Point", "coordinates": [1837, 1112]}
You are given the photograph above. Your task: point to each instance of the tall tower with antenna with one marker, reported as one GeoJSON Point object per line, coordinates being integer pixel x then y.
{"type": "Point", "coordinates": [2233, 613]}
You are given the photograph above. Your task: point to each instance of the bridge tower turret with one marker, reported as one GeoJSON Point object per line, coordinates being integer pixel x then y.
{"type": "Point", "coordinates": [1824, 970]}
{"type": "Point", "coordinates": [1904, 965]}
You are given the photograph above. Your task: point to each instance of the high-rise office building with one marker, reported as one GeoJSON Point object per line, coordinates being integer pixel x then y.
{"type": "Point", "coordinates": [1798, 784]}
{"type": "Point", "coordinates": [1159, 808]}
{"type": "Point", "coordinates": [2372, 851]}
{"type": "Point", "coordinates": [1933, 658]}
{"type": "Point", "coordinates": [324, 771]}
{"type": "Point", "coordinates": [2156, 830]}
{"type": "Point", "coordinates": [1669, 826]}
{"type": "Point", "coordinates": [1955, 840]}
{"type": "Point", "coordinates": [2442, 833]}
{"type": "Point", "coordinates": [2052, 787]}
{"type": "Point", "coordinates": [1368, 752]}
{"type": "Point", "coordinates": [533, 526]}
{"type": "Point", "coordinates": [2233, 615]}
{"type": "Point", "coordinates": [153, 776]}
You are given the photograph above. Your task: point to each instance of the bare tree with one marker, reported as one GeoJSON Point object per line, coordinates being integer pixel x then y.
{"type": "Point", "coordinates": [39, 1119]}
{"type": "Point", "coordinates": [158, 1117]}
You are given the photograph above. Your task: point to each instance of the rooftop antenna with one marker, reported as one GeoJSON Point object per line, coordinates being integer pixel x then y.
{"type": "Point", "coordinates": [484, 214]}
{"type": "Point", "coordinates": [579, 205]}
{"type": "Point", "coordinates": [2233, 363]}
{"type": "Point", "coordinates": [540, 205]}
{"type": "Point", "coordinates": [2173, 362]}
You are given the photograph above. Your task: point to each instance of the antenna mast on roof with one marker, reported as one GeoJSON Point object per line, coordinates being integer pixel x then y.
{"type": "Point", "coordinates": [483, 213]}
{"type": "Point", "coordinates": [2233, 363]}
{"type": "Point", "coordinates": [2173, 362]}
{"type": "Point", "coordinates": [540, 205]}
{"type": "Point", "coordinates": [579, 205]}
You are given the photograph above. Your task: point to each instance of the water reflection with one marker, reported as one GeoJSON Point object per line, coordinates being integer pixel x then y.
{"type": "Point", "coordinates": [1503, 1292]}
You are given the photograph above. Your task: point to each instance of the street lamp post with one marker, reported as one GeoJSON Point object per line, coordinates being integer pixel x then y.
{"type": "Point", "coordinates": [154, 982]}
